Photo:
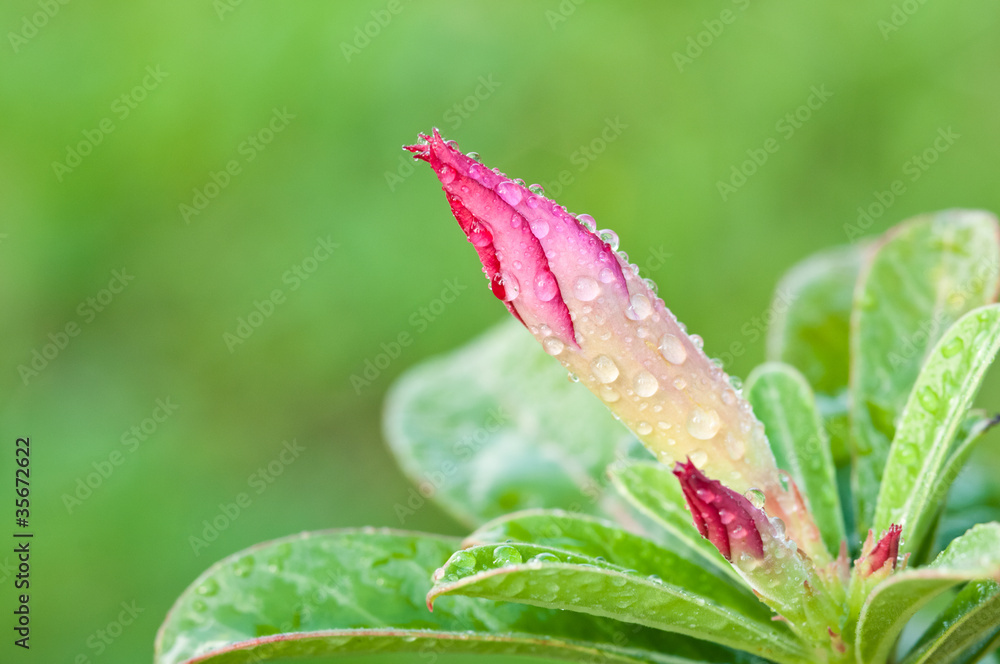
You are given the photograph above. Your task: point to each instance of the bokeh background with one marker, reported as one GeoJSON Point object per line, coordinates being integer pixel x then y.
{"type": "Point", "coordinates": [156, 100]}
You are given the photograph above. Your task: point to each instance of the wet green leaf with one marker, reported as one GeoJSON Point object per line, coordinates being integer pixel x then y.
{"type": "Point", "coordinates": [927, 451]}
{"type": "Point", "coordinates": [318, 595]}
{"type": "Point", "coordinates": [784, 402]}
{"type": "Point", "coordinates": [924, 275]}
{"type": "Point", "coordinates": [495, 427]}
{"type": "Point", "coordinates": [964, 630]}
{"type": "Point", "coordinates": [547, 577]}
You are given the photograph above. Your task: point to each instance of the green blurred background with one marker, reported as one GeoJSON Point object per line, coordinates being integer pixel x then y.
{"type": "Point", "coordinates": [526, 84]}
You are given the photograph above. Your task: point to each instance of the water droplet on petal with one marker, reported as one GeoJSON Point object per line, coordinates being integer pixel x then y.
{"type": "Point", "coordinates": [609, 394]}
{"type": "Point", "coordinates": [472, 155]}
{"type": "Point", "coordinates": [680, 383]}
{"type": "Point", "coordinates": [504, 286]}
{"type": "Point", "coordinates": [516, 221]}
{"type": "Point", "coordinates": [586, 289]}
{"type": "Point", "coordinates": [606, 275]}
{"type": "Point", "coordinates": [697, 340]}
{"type": "Point", "coordinates": [479, 235]}
{"type": "Point", "coordinates": [536, 189]}
{"type": "Point", "coordinates": [756, 498]}
{"type": "Point", "coordinates": [534, 201]}
{"type": "Point", "coordinates": [672, 349]}
{"type": "Point", "coordinates": [572, 377]}
{"type": "Point", "coordinates": [505, 555]}
{"type": "Point", "coordinates": [705, 495]}
{"type": "Point", "coordinates": [588, 222]}
{"type": "Point", "coordinates": [604, 368]}
{"type": "Point", "coordinates": [446, 174]}
{"type": "Point", "coordinates": [610, 238]}
{"type": "Point", "coordinates": [726, 517]}
{"type": "Point", "coordinates": [510, 192]}
{"type": "Point", "coordinates": [539, 228]}
{"type": "Point", "coordinates": [553, 346]}
{"type": "Point", "coordinates": [651, 285]}
{"type": "Point", "coordinates": [703, 423]}
{"type": "Point", "coordinates": [644, 428]}
{"type": "Point", "coordinates": [546, 286]}
{"type": "Point", "coordinates": [639, 307]}
{"type": "Point", "coordinates": [699, 458]}
{"type": "Point", "coordinates": [645, 384]}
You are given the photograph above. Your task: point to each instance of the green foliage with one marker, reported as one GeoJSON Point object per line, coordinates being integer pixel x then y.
{"type": "Point", "coordinates": [893, 339]}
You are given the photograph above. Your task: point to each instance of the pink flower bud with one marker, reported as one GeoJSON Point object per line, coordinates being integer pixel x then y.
{"type": "Point", "coordinates": [588, 307]}
{"type": "Point", "coordinates": [881, 555]}
{"type": "Point", "coordinates": [725, 518]}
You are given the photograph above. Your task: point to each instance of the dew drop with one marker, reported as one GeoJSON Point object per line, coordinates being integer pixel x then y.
{"type": "Point", "coordinates": [705, 495]}
{"type": "Point", "coordinates": [446, 174]}
{"type": "Point", "coordinates": [479, 235]}
{"type": "Point", "coordinates": [586, 289]}
{"type": "Point", "coordinates": [516, 220]}
{"type": "Point", "coordinates": [588, 222]}
{"type": "Point", "coordinates": [672, 349]}
{"type": "Point", "coordinates": [546, 286]}
{"type": "Point", "coordinates": [463, 562]}
{"type": "Point", "coordinates": [505, 555]}
{"type": "Point", "coordinates": [756, 498]}
{"type": "Point", "coordinates": [929, 399]}
{"type": "Point", "coordinates": [640, 307]}
{"type": "Point", "coordinates": [735, 447]}
{"type": "Point", "coordinates": [544, 558]}
{"type": "Point", "coordinates": [208, 588]}
{"type": "Point", "coordinates": [726, 517]}
{"type": "Point", "coordinates": [533, 202]}
{"type": "Point", "coordinates": [953, 347]}
{"type": "Point", "coordinates": [510, 192]}
{"type": "Point", "coordinates": [736, 383]}
{"type": "Point", "coordinates": [651, 285]}
{"type": "Point", "coordinates": [472, 155]}
{"type": "Point", "coordinates": [609, 394]}
{"type": "Point", "coordinates": [699, 458]}
{"type": "Point", "coordinates": [604, 368]}
{"type": "Point", "coordinates": [680, 383]}
{"type": "Point", "coordinates": [536, 189]}
{"type": "Point", "coordinates": [504, 286]}
{"type": "Point", "coordinates": [244, 566]}
{"type": "Point", "coordinates": [644, 428]}
{"type": "Point", "coordinates": [645, 384]}
{"type": "Point", "coordinates": [610, 238]}
{"type": "Point", "coordinates": [606, 275]}
{"type": "Point", "coordinates": [739, 532]}
{"type": "Point", "coordinates": [703, 423]}
{"type": "Point", "coordinates": [539, 228]}
{"type": "Point", "coordinates": [553, 346]}
{"type": "Point", "coordinates": [572, 377]}
{"type": "Point", "coordinates": [697, 340]}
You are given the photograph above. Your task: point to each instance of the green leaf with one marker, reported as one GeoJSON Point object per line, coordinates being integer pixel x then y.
{"type": "Point", "coordinates": [495, 427]}
{"type": "Point", "coordinates": [973, 556]}
{"type": "Point", "coordinates": [652, 489]}
{"type": "Point", "coordinates": [547, 577]}
{"type": "Point", "coordinates": [969, 625]}
{"type": "Point", "coordinates": [924, 275]}
{"type": "Point", "coordinates": [602, 540]}
{"type": "Point", "coordinates": [319, 595]}
{"type": "Point", "coordinates": [784, 402]}
{"type": "Point", "coordinates": [924, 459]}
{"type": "Point", "coordinates": [812, 307]}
